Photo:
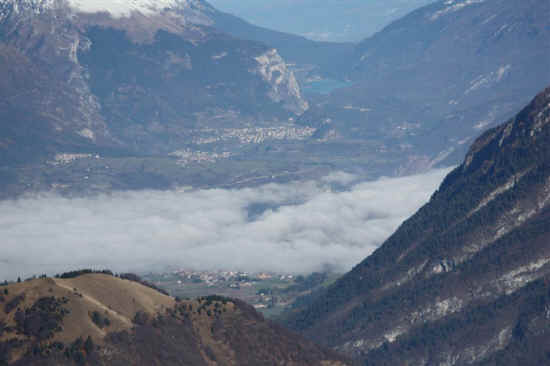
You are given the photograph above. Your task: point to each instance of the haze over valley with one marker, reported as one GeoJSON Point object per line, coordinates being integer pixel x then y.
{"type": "Point", "coordinates": [295, 228]}
{"type": "Point", "coordinates": [329, 21]}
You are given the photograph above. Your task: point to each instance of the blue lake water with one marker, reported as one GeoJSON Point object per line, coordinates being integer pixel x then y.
{"type": "Point", "coordinates": [325, 86]}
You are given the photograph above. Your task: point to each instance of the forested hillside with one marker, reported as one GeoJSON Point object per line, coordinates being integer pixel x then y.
{"type": "Point", "coordinates": [458, 263]}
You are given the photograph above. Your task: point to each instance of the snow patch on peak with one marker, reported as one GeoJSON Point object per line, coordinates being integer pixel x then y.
{"type": "Point", "coordinates": [486, 81]}
{"type": "Point", "coordinates": [453, 5]}
{"type": "Point", "coordinates": [122, 8]}
{"type": "Point", "coordinates": [116, 8]}
{"type": "Point", "coordinates": [19, 6]}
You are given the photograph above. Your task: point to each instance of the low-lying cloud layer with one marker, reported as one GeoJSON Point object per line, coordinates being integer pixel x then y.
{"type": "Point", "coordinates": [299, 227]}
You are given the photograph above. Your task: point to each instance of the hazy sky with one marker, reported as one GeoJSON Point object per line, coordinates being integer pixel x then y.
{"type": "Point", "coordinates": [209, 229]}
{"type": "Point", "coordinates": [326, 20]}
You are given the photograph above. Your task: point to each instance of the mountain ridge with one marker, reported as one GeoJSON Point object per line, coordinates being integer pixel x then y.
{"type": "Point", "coordinates": [480, 237]}
{"type": "Point", "coordinates": [99, 319]}
{"type": "Point", "coordinates": [123, 89]}
{"type": "Point", "coordinates": [429, 83]}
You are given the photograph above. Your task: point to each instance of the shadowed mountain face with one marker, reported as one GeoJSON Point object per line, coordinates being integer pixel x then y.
{"type": "Point", "coordinates": [81, 81]}
{"type": "Point", "coordinates": [135, 80]}
{"type": "Point", "coordinates": [97, 319]}
{"type": "Point", "coordinates": [454, 281]}
{"type": "Point", "coordinates": [429, 83]}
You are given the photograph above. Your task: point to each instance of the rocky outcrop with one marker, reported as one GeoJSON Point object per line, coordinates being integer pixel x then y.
{"type": "Point", "coordinates": [284, 87]}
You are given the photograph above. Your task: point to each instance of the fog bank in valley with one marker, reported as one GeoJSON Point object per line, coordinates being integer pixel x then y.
{"type": "Point", "coordinates": [295, 228]}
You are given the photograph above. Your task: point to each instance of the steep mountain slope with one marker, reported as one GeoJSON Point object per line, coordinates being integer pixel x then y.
{"type": "Point", "coordinates": [449, 287]}
{"type": "Point", "coordinates": [312, 58]}
{"type": "Point", "coordinates": [127, 79]}
{"type": "Point", "coordinates": [98, 319]}
{"type": "Point", "coordinates": [429, 83]}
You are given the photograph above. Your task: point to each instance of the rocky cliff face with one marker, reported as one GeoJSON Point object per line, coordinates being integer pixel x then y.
{"type": "Point", "coordinates": [448, 287]}
{"type": "Point", "coordinates": [284, 87]}
{"type": "Point", "coordinates": [126, 75]}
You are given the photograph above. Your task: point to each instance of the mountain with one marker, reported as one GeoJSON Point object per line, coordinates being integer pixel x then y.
{"type": "Point", "coordinates": [429, 83]}
{"type": "Point", "coordinates": [309, 59]}
{"type": "Point", "coordinates": [466, 279]}
{"type": "Point", "coordinates": [126, 79]}
{"type": "Point", "coordinates": [132, 95]}
{"type": "Point", "coordinates": [325, 20]}
{"type": "Point", "coordinates": [99, 319]}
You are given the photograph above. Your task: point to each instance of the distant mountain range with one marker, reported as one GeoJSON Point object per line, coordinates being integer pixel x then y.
{"type": "Point", "coordinates": [99, 319]}
{"type": "Point", "coordinates": [122, 80]}
{"type": "Point", "coordinates": [309, 58]}
{"type": "Point", "coordinates": [322, 20]}
{"type": "Point", "coordinates": [429, 83]}
{"type": "Point", "coordinates": [465, 281]}
{"type": "Point", "coordinates": [135, 95]}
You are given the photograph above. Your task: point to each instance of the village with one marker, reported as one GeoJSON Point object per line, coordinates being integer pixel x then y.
{"type": "Point", "coordinates": [269, 293]}
{"type": "Point", "coordinates": [253, 135]}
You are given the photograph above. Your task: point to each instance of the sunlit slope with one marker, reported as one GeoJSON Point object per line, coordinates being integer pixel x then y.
{"type": "Point", "coordinates": [98, 319]}
{"type": "Point", "coordinates": [119, 300]}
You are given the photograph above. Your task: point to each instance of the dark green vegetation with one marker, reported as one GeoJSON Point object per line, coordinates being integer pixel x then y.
{"type": "Point", "coordinates": [211, 330]}
{"type": "Point", "coordinates": [38, 323]}
{"type": "Point", "coordinates": [521, 320]}
{"type": "Point", "coordinates": [135, 278]}
{"type": "Point", "coordinates": [80, 351]}
{"type": "Point", "coordinates": [100, 320]}
{"type": "Point", "coordinates": [451, 283]}
{"type": "Point", "coordinates": [42, 319]}
{"type": "Point", "coordinates": [172, 340]}
{"type": "Point", "coordinates": [81, 272]}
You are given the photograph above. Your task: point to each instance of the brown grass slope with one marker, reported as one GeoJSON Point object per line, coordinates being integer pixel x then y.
{"type": "Point", "coordinates": [98, 319]}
